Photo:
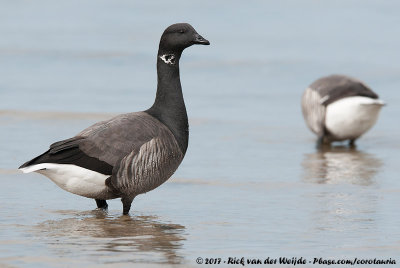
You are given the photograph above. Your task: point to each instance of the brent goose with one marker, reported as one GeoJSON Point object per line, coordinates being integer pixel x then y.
{"type": "Point", "coordinates": [132, 153]}
{"type": "Point", "coordinates": [339, 107]}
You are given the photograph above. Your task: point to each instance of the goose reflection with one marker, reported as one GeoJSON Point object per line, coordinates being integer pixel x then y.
{"type": "Point", "coordinates": [341, 164]}
{"type": "Point", "coordinates": [131, 239]}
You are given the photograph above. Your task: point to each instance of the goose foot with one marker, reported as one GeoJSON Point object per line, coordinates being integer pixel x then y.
{"type": "Point", "coordinates": [101, 204]}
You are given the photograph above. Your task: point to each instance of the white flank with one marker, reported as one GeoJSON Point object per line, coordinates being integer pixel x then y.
{"type": "Point", "coordinates": [74, 179]}
{"type": "Point", "coordinates": [350, 117]}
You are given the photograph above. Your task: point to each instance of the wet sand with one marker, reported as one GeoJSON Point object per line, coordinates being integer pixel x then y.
{"type": "Point", "coordinates": [340, 202]}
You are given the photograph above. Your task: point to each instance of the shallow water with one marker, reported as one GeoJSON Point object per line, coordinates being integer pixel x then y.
{"type": "Point", "coordinates": [252, 183]}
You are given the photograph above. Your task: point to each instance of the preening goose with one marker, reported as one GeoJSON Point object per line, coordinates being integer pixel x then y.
{"type": "Point", "coordinates": [339, 107]}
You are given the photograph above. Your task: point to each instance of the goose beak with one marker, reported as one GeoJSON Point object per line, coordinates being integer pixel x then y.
{"type": "Point", "coordinates": [198, 39]}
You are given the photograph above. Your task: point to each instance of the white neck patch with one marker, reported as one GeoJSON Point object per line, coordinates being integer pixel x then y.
{"type": "Point", "coordinates": [168, 58]}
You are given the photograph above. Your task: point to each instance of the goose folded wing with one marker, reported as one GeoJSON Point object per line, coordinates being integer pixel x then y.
{"type": "Point", "coordinates": [334, 88]}
{"type": "Point", "coordinates": [101, 146]}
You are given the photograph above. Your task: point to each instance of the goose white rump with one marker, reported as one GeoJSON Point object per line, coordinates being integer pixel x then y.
{"type": "Point", "coordinates": [350, 117]}
{"type": "Point", "coordinates": [74, 179]}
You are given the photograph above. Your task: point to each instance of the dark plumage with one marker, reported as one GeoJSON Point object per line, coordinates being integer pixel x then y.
{"type": "Point", "coordinates": [340, 86]}
{"type": "Point", "coordinates": [131, 153]}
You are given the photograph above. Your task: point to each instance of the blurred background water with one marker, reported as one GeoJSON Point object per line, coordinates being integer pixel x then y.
{"type": "Point", "coordinates": [252, 183]}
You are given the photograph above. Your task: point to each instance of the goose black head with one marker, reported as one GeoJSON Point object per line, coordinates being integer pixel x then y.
{"type": "Point", "coordinates": [179, 36]}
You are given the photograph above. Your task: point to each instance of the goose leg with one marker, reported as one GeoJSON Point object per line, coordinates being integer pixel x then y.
{"type": "Point", "coordinates": [126, 204]}
{"type": "Point", "coordinates": [352, 143]}
{"type": "Point", "coordinates": [321, 142]}
{"type": "Point", "coordinates": [102, 204]}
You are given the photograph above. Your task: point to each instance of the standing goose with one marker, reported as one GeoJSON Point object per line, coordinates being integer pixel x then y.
{"type": "Point", "coordinates": [132, 153]}
{"type": "Point", "coordinates": [338, 108]}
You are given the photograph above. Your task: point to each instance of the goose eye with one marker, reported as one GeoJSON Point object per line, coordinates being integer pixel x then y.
{"type": "Point", "coordinates": [181, 31]}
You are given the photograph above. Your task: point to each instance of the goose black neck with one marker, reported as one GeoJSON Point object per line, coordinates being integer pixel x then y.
{"type": "Point", "coordinates": [169, 106]}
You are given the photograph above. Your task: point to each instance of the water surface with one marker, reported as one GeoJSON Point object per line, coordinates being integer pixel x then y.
{"type": "Point", "coordinates": [252, 183]}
